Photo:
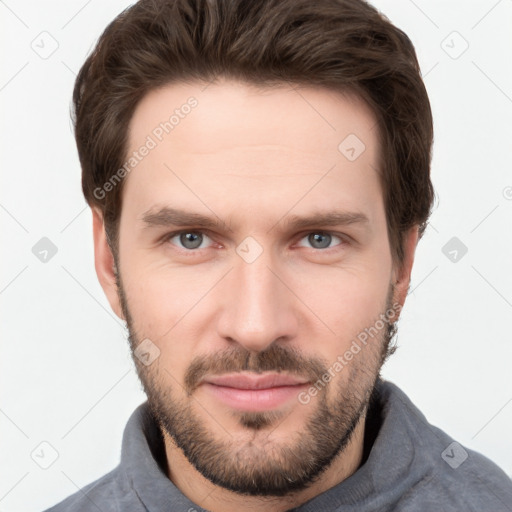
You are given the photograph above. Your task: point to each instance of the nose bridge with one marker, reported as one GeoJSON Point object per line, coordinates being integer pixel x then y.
{"type": "Point", "coordinates": [258, 309]}
{"type": "Point", "coordinates": [257, 290]}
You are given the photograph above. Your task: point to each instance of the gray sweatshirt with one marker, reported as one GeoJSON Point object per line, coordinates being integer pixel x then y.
{"type": "Point", "coordinates": [408, 465]}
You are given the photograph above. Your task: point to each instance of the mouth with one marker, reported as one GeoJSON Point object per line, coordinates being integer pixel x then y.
{"type": "Point", "coordinates": [254, 392]}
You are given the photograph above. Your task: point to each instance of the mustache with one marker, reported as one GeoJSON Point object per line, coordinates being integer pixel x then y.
{"type": "Point", "coordinates": [274, 359]}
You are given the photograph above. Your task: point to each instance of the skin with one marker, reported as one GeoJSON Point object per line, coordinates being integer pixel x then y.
{"type": "Point", "coordinates": [251, 158]}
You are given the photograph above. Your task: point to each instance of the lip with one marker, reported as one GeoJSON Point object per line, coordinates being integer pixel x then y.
{"type": "Point", "coordinates": [254, 381]}
{"type": "Point", "coordinates": [254, 392]}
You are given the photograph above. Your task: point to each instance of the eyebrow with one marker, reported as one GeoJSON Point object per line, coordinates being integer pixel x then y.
{"type": "Point", "coordinates": [330, 218]}
{"type": "Point", "coordinates": [167, 216]}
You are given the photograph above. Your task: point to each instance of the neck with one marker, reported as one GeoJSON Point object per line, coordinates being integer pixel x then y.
{"type": "Point", "coordinates": [217, 499]}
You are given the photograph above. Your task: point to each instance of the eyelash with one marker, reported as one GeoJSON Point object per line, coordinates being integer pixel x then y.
{"type": "Point", "coordinates": [343, 239]}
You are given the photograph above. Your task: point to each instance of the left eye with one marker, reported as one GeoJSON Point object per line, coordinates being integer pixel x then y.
{"type": "Point", "coordinates": [321, 240]}
{"type": "Point", "coordinates": [189, 239]}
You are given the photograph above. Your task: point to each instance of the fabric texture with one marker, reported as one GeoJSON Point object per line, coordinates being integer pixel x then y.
{"type": "Point", "coordinates": [408, 465]}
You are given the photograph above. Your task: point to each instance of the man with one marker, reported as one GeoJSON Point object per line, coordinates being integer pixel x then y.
{"type": "Point", "coordinates": [258, 173]}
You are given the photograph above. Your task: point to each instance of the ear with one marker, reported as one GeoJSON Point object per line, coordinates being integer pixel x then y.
{"type": "Point", "coordinates": [402, 274]}
{"type": "Point", "coordinates": [104, 263]}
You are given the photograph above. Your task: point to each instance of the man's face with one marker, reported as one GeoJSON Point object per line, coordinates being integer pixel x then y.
{"type": "Point", "coordinates": [244, 315]}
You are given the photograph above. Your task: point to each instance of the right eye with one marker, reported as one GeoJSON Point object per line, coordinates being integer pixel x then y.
{"type": "Point", "coordinates": [188, 240]}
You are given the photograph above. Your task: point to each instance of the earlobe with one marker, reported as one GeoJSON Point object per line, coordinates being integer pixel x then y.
{"type": "Point", "coordinates": [104, 263]}
{"type": "Point", "coordinates": [403, 274]}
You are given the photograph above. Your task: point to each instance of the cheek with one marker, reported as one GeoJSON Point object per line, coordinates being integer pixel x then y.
{"type": "Point", "coordinates": [164, 305]}
{"type": "Point", "coordinates": [344, 297]}
{"type": "Point", "coordinates": [162, 294]}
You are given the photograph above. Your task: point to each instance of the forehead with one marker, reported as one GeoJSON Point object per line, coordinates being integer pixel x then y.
{"type": "Point", "coordinates": [315, 117]}
{"type": "Point", "coordinates": [252, 144]}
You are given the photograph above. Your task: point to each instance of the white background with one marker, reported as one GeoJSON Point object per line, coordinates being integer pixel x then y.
{"type": "Point", "coordinates": [66, 373]}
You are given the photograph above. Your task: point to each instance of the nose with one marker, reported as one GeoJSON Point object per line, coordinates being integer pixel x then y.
{"type": "Point", "coordinates": [258, 307]}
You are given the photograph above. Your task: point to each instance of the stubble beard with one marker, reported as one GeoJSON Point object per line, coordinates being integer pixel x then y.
{"type": "Point", "coordinates": [258, 465]}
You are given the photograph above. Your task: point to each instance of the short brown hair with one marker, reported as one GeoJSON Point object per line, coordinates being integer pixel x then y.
{"type": "Point", "coordinates": [344, 45]}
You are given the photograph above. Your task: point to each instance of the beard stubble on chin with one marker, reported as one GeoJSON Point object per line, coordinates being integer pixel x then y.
{"type": "Point", "coordinates": [258, 465]}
